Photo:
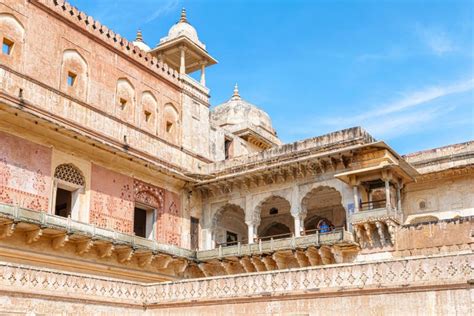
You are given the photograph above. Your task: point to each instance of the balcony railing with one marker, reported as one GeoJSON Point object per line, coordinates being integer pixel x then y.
{"type": "Point", "coordinates": [265, 245]}
{"type": "Point", "coordinates": [375, 210]}
{"type": "Point", "coordinates": [70, 226]}
{"type": "Point", "coordinates": [365, 206]}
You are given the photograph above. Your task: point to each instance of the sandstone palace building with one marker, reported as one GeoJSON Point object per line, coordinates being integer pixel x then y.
{"type": "Point", "coordinates": [123, 192]}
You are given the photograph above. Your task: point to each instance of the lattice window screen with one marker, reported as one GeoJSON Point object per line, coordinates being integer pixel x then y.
{"type": "Point", "coordinates": [69, 173]}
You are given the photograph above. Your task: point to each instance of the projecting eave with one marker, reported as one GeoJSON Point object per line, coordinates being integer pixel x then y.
{"type": "Point", "coordinates": [196, 54]}
{"type": "Point", "coordinates": [399, 167]}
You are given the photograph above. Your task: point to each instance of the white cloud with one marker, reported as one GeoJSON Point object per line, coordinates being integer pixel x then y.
{"type": "Point", "coordinates": [436, 40]}
{"type": "Point", "coordinates": [407, 102]}
{"type": "Point", "coordinates": [164, 8]}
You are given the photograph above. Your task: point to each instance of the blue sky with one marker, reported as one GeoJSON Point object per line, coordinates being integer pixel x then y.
{"type": "Point", "coordinates": [404, 70]}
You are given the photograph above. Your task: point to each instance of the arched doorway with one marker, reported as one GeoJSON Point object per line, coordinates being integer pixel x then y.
{"type": "Point", "coordinates": [229, 225]}
{"type": "Point", "coordinates": [324, 210]}
{"type": "Point", "coordinates": [275, 218]}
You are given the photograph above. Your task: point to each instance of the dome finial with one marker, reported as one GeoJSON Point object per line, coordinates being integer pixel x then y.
{"type": "Point", "coordinates": [183, 16]}
{"type": "Point", "coordinates": [236, 95]}
{"type": "Point", "coordinates": [139, 36]}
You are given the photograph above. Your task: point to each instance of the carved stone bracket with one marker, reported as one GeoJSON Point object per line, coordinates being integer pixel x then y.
{"type": "Point", "coordinates": [59, 241]}
{"type": "Point", "coordinates": [124, 255]}
{"type": "Point", "coordinates": [33, 235]}
{"type": "Point", "coordinates": [105, 250]}
{"type": "Point", "coordinates": [84, 246]}
{"type": "Point", "coordinates": [145, 259]}
{"type": "Point", "coordinates": [7, 230]}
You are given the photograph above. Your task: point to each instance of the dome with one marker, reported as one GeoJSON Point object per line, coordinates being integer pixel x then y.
{"type": "Point", "coordinates": [183, 28]}
{"type": "Point", "coordinates": [138, 42]}
{"type": "Point", "coordinates": [237, 111]}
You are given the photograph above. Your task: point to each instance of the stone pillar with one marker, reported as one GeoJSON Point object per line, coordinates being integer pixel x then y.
{"type": "Point", "coordinates": [207, 239]}
{"type": "Point", "coordinates": [251, 232]}
{"type": "Point", "coordinates": [297, 226]}
{"type": "Point", "coordinates": [203, 73]}
{"type": "Point", "coordinates": [387, 193]}
{"type": "Point", "coordinates": [356, 198]}
{"type": "Point", "coordinates": [399, 197]}
{"type": "Point", "coordinates": [182, 65]}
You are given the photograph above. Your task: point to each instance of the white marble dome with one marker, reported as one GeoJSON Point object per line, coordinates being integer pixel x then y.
{"type": "Point", "coordinates": [138, 42]}
{"type": "Point", "coordinates": [237, 111]}
{"type": "Point", "coordinates": [141, 45]}
{"type": "Point", "coordinates": [183, 28]}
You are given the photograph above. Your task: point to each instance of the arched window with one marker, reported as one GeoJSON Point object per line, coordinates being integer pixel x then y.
{"type": "Point", "coordinates": [148, 111]}
{"type": "Point", "coordinates": [69, 182]}
{"type": "Point", "coordinates": [74, 74]}
{"type": "Point", "coordinates": [12, 35]}
{"type": "Point", "coordinates": [171, 123]}
{"type": "Point", "coordinates": [125, 100]}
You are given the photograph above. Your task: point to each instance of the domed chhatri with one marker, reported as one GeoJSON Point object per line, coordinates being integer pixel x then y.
{"type": "Point", "coordinates": [140, 43]}
{"type": "Point", "coordinates": [245, 120]}
{"type": "Point", "coordinates": [183, 28]}
{"type": "Point", "coordinates": [182, 50]}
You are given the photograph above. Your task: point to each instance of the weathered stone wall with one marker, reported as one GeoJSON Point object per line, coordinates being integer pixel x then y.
{"type": "Point", "coordinates": [107, 70]}
{"type": "Point", "coordinates": [25, 173]}
{"type": "Point", "coordinates": [433, 285]}
{"type": "Point", "coordinates": [440, 195]}
{"type": "Point", "coordinates": [429, 302]}
{"type": "Point", "coordinates": [425, 237]}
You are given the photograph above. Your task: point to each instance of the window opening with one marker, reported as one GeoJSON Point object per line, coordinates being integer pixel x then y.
{"type": "Point", "coordinates": [7, 46]}
{"type": "Point", "coordinates": [273, 211]}
{"type": "Point", "coordinates": [123, 103]}
{"type": "Point", "coordinates": [227, 144]}
{"type": "Point", "coordinates": [71, 79]}
{"type": "Point", "coordinates": [63, 203]}
{"type": "Point", "coordinates": [147, 116]}
{"type": "Point", "coordinates": [143, 222]}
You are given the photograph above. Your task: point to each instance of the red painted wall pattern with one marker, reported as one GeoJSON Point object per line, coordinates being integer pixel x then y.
{"type": "Point", "coordinates": [111, 200]}
{"type": "Point", "coordinates": [25, 169]}
{"type": "Point", "coordinates": [169, 220]}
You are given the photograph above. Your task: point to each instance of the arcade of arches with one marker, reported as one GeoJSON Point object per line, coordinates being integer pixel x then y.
{"type": "Point", "coordinates": [321, 210]}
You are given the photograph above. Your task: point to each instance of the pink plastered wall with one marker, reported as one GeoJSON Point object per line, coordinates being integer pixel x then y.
{"type": "Point", "coordinates": [25, 172]}
{"type": "Point", "coordinates": [111, 200]}
{"type": "Point", "coordinates": [169, 220]}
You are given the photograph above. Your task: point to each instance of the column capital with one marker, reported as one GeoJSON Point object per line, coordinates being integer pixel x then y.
{"type": "Point", "coordinates": [298, 213]}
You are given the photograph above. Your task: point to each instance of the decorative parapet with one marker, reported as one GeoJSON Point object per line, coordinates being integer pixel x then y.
{"type": "Point", "coordinates": [195, 88]}
{"type": "Point", "coordinates": [331, 141]}
{"type": "Point", "coordinates": [433, 272]}
{"type": "Point", "coordinates": [377, 215]}
{"type": "Point", "coordinates": [339, 236]}
{"type": "Point", "coordinates": [442, 158]}
{"type": "Point", "coordinates": [104, 34]}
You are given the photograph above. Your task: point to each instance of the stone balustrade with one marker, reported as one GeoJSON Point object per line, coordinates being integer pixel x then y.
{"type": "Point", "coordinates": [337, 236]}
{"type": "Point", "coordinates": [72, 227]}
{"type": "Point", "coordinates": [376, 214]}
